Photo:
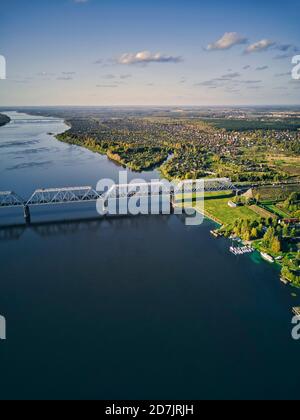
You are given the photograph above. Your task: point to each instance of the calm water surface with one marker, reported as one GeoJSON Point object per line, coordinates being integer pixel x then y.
{"type": "Point", "coordinates": [129, 308]}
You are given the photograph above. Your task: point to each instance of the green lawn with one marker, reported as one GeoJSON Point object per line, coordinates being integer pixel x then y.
{"type": "Point", "coordinates": [216, 205]}
{"type": "Point", "coordinates": [276, 210]}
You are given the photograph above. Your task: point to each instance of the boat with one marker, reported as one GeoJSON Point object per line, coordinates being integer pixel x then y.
{"type": "Point", "coordinates": [284, 281]}
{"type": "Point", "coordinates": [267, 257]}
{"type": "Point", "coordinates": [215, 233]}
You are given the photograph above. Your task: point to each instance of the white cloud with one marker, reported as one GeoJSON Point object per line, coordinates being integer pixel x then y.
{"type": "Point", "coordinates": [228, 40]}
{"type": "Point", "coordinates": [260, 46]}
{"type": "Point", "coordinates": [262, 68]}
{"type": "Point", "coordinates": [146, 57]}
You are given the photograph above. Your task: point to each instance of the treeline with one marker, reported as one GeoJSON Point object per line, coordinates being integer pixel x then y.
{"type": "Point", "coordinates": [254, 124]}
{"type": "Point", "coordinates": [274, 237]}
{"type": "Point", "coordinates": [293, 276]}
{"type": "Point", "coordinates": [292, 204]}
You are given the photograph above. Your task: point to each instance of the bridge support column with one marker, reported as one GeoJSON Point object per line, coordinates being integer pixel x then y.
{"type": "Point", "coordinates": [172, 203]}
{"type": "Point", "coordinates": [27, 215]}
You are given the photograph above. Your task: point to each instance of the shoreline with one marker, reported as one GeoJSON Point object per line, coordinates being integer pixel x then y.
{"type": "Point", "coordinates": [94, 148]}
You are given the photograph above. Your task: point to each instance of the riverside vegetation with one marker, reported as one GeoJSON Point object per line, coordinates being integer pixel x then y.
{"type": "Point", "coordinates": [257, 147]}
{"type": "Point", "coordinates": [198, 149]}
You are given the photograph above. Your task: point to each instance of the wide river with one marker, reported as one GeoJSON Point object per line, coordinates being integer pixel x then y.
{"type": "Point", "coordinates": [129, 308]}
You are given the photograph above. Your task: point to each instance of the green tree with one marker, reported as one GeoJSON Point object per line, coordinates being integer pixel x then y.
{"type": "Point", "coordinates": [285, 231]}
{"type": "Point", "coordinates": [269, 236]}
{"type": "Point", "coordinates": [254, 233]}
{"type": "Point", "coordinates": [276, 245]}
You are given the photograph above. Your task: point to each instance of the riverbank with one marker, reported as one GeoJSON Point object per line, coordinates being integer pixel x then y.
{"type": "Point", "coordinates": [266, 236]}
{"type": "Point", "coordinates": [4, 119]}
{"type": "Point", "coordinates": [216, 204]}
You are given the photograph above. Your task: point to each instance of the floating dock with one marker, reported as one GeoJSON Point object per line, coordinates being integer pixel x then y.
{"type": "Point", "coordinates": [241, 251]}
{"type": "Point", "coordinates": [216, 234]}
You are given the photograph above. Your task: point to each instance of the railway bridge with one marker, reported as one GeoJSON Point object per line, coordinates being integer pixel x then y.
{"type": "Point", "coordinates": [84, 194]}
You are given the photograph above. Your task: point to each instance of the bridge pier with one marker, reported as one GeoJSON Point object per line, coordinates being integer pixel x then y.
{"type": "Point", "coordinates": [27, 215]}
{"type": "Point", "coordinates": [172, 202]}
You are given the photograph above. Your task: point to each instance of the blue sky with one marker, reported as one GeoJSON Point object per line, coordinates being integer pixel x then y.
{"type": "Point", "coordinates": [128, 52]}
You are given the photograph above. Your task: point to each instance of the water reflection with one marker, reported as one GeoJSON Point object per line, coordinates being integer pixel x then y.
{"type": "Point", "coordinates": [66, 228]}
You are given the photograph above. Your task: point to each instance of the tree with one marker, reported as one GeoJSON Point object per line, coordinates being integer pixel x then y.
{"type": "Point", "coordinates": [246, 235]}
{"type": "Point", "coordinates": [269, 236]}
{"type": "Point", "coordinates": [276, 245]}
{"type": "Point", "coordinates": [257, 198]}
{"type": "Point", "coordinates": [254, 233]}
{"type": "Point", "coordinates": [285, 231]}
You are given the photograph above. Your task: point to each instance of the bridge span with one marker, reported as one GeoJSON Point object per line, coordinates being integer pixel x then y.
{"type": "Point", "coordinates": [71, 195]}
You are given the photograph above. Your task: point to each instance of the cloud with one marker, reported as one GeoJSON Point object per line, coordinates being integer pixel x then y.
{"type": "Point", "coordinates": [66, 78]}
{"type": "Point", "coordinates": [227, 81]}
{"type": "Point", "coordinates": [287, 47]}
{"type": "Point", "coordinates": [287, 50]}
{"type": "Point", "coordinates": [45, 74]}
{"type": "Point", "coordinates": [109, 76]}
{"type": "Point", "coordinates": [262, 68]}
{"type": "Point", "coordinates": [230, 76]}
{"type": "Point", "coordinates": [208, 83]}
{"type": "Point", "coordinates": [250, 82]}
{"type": "Point", "coordinates": [125, 76]}
{"type": "Point", "coordinates": [283, 74]}
{"type": "Point", "coordinates": [146, 57]}
{"type": "Point", "coordinates": [260, 46]}
{"type": "Point", "coordinates": [107, 86]}
{"type": "Point", "coordinates": [283, 56]}
{"type": "Point", "coordinates": [246, 67]}
{"type": "Point", "coordinates": [228, 40]}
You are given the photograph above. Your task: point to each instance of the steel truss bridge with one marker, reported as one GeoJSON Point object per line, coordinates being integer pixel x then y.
{"type": "Point", "coordinates": [56, 196]}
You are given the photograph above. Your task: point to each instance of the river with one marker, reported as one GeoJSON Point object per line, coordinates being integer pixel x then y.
{"type": "Point", "coordinates": [129, 308]}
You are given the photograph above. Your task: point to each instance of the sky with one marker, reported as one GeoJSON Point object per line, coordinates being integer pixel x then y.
{"type": "Point", "coordinates": [158, 52]}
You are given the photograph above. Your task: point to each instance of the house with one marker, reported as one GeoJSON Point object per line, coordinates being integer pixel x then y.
{"type": "Point", "coordinates": [291, 221]}
{"type": "Point", "coordinates": [232, 204]}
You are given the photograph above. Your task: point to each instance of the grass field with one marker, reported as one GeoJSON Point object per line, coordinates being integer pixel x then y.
{"type": "Point", "coordinates": [216, 207]}
{"type": "Point", "coordinates": [262, 212]}
{"type": "Point", "coordinates": [216, 204]}
{"type": "Point", "coordinates": [288, 164]}
{"type": "Point", "coordinates": [276, 210]}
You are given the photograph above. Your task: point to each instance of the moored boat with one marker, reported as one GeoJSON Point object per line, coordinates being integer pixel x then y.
{"type": "Point", "coordinates": [267, 257]}
{"type": "Point", "coordinates": [284, 281]}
